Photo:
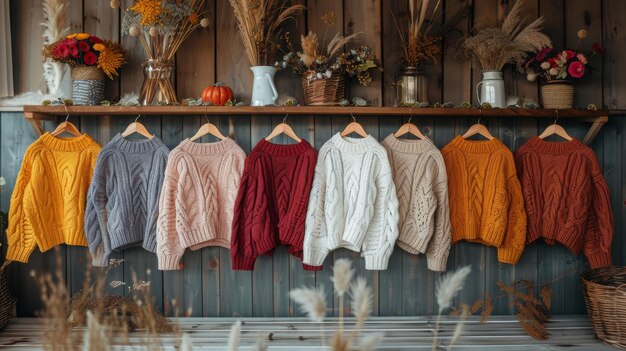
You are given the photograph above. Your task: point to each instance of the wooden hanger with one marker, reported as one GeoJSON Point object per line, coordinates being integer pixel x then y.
{"type": "Point", "coordinates": [555, 129]}
{"type": "Point", "coordinates": [283, 128]}
{"type": "Point", "coordinates": [354, 127]}
{"type": "Point", "coordinates": [478, 129]}
{"type": "Point", "coordinates": [208, 128]}
{"type": "Point", "coordinates": [409, 127]}
{"type": "Point", "coordinates": [66, 126]}
{"type": "Point", "coordinates": [137, 127]}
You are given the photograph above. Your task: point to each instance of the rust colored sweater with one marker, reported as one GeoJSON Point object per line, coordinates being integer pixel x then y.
{"type": "Point", "coordinates": [486, 202]}
{"type": "Point", "coordinates": [567, 199]}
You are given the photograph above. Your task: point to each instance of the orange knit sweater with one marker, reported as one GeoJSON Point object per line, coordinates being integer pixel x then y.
{"type": "Point", "coordinates": [486, 202]}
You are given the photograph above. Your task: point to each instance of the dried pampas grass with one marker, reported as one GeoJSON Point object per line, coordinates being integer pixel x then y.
{"type": "Point", "coordinates": [449, 286]}
{"type": "Point", "coordinates": [311, 301]}
{"type": "Point", "coordinates": [492, 48]}
{"type": "Point", "coordinates": [233, 338]}
{"type": "Point", "coordinates": [55, 28]}
{"type": "Point", "coordinates": [95, 337]}
{"type": "Point", "coordinates": [361, 301]}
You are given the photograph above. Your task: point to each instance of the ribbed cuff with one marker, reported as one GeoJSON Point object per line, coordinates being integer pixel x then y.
{"type": "Point", "coordinates": [376, 262]}
{"type": "Point", "coordinates": [415, 247]}
{"type": "Point", "coordinates": [307, 267]}
{"type": "Point", "coordinates": [99, 258]}
{"type": "Point", "coordinates": [600, 259]}
{"type": "Point", "coordinates": [510, 255]}
{"type": "Point", "coordinates": [242, 263]}
{"type": "Point", "coordinates": [18, 254]}
{"type": "Point", "coordinates": [169, 262]}
{"type": "Point", "coordinates": [312, 257]}
{"type": "Point", "coordinates": [438, 263]}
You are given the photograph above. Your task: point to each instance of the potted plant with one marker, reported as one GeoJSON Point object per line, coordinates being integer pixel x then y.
{"type": "Point", "coordinates": [324, 68]}
{"type": "Point", "coordinates": [418, 48]}
{"type": "Point", "coordinates": [90, 58]}
{"type": "Point", "coordinates": [259, 27]}
{"type": "Point", "coordinates": [559, 68]}
{"type": "Point", "coordinates": [161, 26]}
{"type": "Point", "coordinates": [492, 48]}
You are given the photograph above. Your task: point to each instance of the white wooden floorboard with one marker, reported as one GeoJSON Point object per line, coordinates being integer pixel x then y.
{"type": "Point", "coordinates": [400, 333]}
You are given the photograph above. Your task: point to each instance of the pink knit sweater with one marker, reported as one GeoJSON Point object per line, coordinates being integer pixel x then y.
{"type": "Point", "coordinates": [197, 199]}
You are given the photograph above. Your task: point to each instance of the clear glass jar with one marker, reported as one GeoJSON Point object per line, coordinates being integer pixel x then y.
{"type": "Point", "coordinates": [411, 86]}
{"type": "Point", "coordinates": [158, 82]}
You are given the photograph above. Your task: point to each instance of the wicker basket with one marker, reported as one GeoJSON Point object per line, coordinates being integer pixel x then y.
{"type": "Point", "coordinates": [605, 296]}
{"type": "Point", "coordinates": [7, 302]}
{"type": "Point", "coordinates": [557, 94]}
{"type": "Point", "coordinates": [324, 91]}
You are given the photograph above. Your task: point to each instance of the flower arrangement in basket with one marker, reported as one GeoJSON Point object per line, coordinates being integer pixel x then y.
{"type": "Point", "coordinates": [161, 26]}
{"type": "Point", "coordinates": [559, 68]}
{"type": "Point", "coordinates": [418, 47]}
{"type": "Point", "coordinates": [324, 69]}
{"type": "Point", "coordinates": [90, 58]}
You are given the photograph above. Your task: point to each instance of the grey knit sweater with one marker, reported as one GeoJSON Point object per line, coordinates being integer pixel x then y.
{"type": "Point", "coordinates": [122, 202]}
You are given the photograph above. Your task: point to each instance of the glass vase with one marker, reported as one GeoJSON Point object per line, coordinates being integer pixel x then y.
{"type": "Point", "coordinates": [411, 86]}
{"type": "Point", "coordinates": [158, 82]}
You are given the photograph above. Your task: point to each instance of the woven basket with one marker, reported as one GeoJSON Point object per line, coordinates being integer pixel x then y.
{"type": "Point", "coordinates": [87, 85]}
{"type": "Point", "coordinates": [605, 296]}
{"type": "Point", "coordinates": [557, 94]}
{"type": "Point", "coordinates": [7, 302]}
{"type": "Point", "coordinates": [324, 91]}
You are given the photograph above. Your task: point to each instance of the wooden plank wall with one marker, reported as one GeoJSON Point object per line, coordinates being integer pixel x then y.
{"type": "Point", "coordinates": [207, 286]}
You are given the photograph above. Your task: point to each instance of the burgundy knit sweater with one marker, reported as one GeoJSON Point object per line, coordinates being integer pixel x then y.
{"type": "Point", "coordinates": [270, 209]}
{"type": "Point", "coordinates": [566, 198]}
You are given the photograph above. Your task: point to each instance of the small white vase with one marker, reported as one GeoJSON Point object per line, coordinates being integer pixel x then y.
{"type": "Point", "coordinates": [263, 88]}
{"type": "Point", "coordinates": [491, 89]}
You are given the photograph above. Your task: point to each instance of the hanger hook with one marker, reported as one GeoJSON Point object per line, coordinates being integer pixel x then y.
{"type": "Point", "coordinates": [286, 114]}
{"type": "Point", "coordinates": [67, 113]}
{"type": "Point", "coordinates": [206, 113]}
{"type": "Point", "coordinates": [411, 114]}
{"type": "Point", "coordinates": [139, 115]}
{"type": "Point", "coordinates": [557, 116]}
{"type": "Point", "coordinates": [479, 118]}
{"type": "Point", "coordinates": [352, 115]}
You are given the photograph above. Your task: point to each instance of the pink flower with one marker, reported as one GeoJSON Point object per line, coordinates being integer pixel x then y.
{"type": "Point", "coordinates": [576, 69]}
{"type": "Point", "coordinates": [569, 54]}
{"type": "Point", "coordinates": [541, 55]}
{"type": "Point", "coordinates": [83, 46]}
{"type": "Point", "coordinates": [90, 58]}
{"type": "Point", "coordinates": [582, 58]}
{"type": "Point", "coordinates": [554, 61]}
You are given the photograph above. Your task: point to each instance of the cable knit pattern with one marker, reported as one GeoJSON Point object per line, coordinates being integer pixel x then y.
{"type": "Point", "coordinates": [271, 204]}
{"type": "Point", "coordinates": [353, 203]}
{"type": "Point", "coordinates": [122, 203]}
{"type": "Point", "coordinates": [197, 199]}
{"type": "Point", "coordinates": [486, 200]}
{"type": "Point", "coordinates": [567, 199]}
{"type": "Point", "coordinates": [48, 201]}
{"type": "Point", "coordinates": [419, 174]}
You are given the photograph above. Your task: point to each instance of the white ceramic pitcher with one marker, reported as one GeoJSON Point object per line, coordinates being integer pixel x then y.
{"type": "Point", "coordinates": [263, 88]}
{"type": "Point", "coordinates": [491, 89]}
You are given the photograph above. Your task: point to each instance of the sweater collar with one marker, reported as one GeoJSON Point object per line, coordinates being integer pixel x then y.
{"type": "Point", "coordinates": [219, 147]}
{"type": "Point", "coordinates": [477, 146]}
{"type": "Point", "coordinates": [66, 144]}
{"type": "Point", "coordinates": [354, 145]}
{"type": "Point", "coordinates": [554, 147]}
{"type": "Point", "coordinates": [408, 146]}
{"type": "Point", "coordinates": [283, 149]}
{"type": "Point", "coordinates": [136, 146]}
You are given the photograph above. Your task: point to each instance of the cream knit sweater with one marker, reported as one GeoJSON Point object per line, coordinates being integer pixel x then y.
{"type": "Point", "coordinates": [419, 174]}
{"type": "Point", "coordinates": [197, 200]}
{"type": "Point", "coordinates": [353, 203]}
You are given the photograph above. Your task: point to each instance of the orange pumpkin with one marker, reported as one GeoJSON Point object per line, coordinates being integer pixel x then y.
{"type": "Point", "coordinates": [217, 94]}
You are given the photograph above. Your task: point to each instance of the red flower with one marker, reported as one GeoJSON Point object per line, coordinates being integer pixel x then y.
{"type": "Point", "coordinates": [71, 41]}
{"type": "Point", "coordinates": [90, 58]}
{"type": "Point", "coordinates": [95, 39]}
{"type": "Point", "coordinates": [598, 49]}
{"type": "Point", "coordinates": [554, 61]}
{"type": "Point", "coordinates": [576, 69]}
{"type": "Point", "coordinates": [73, 50]}
{"type": "Point", "coordinates": [541, 55]}
{"type": "Point", "coordinates": [62, 50]}
{"type": "Point", "coordinates": [570, 54]}
{"type": "Point", "coordinates": [83, 46]}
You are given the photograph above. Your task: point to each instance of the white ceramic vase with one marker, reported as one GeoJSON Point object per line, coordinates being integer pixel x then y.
{"type": "Point", "coordinates": [263, 88]}
{"type": "Point", "coordinates": [491, 89]}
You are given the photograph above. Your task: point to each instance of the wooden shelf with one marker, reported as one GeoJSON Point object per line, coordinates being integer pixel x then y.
{"type": "Point", "coordinates": [36, 114]}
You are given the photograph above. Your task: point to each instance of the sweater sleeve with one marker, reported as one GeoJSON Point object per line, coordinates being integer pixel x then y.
{"type": "Point", "coordinates": [515, 237]}
{"type": "Point", "coordinates": [157, 174]}
{"type": "Point", "coordinates": [383, 229]}
{"type": "Point", "coordinates": [20, 236]}
{"type": "Point", "coordinates": [169, 248]}
{"type": "Point", "coordinates": [439, 244]}
{"type": "Point", "coordinates": [599, 233]}
{"type": "Point", "coordinates": [251, 220]}
{"type": "Point", "coordinates": [96, 215]}
{"type": "Point", "coordinates": [315, 248]}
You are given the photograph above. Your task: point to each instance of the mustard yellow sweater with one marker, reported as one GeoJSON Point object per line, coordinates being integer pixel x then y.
{"type": "Point", "coordinates": [48, 202]}
{"type": "Point", "coordinates": [486, 202]}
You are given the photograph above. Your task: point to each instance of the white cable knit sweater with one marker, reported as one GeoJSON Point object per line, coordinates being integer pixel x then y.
{"type": "Point", "coordinates": [353, 203]}
{"type": "Point", "coordinates": [419, 174]}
